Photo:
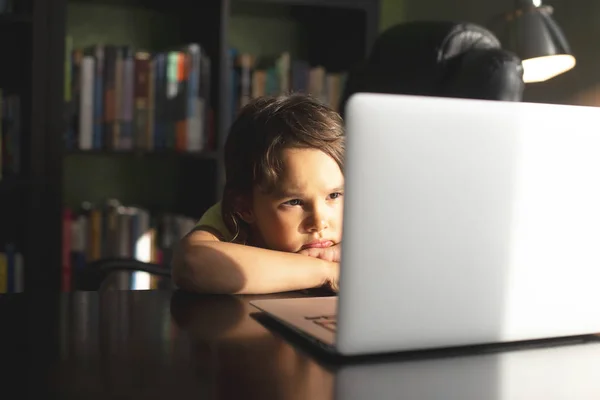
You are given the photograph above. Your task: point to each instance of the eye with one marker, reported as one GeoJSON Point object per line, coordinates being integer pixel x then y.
{"type": "Point", "coordinates": [293, 202]}
{"type": "Point", "coordinates": [335, 195]}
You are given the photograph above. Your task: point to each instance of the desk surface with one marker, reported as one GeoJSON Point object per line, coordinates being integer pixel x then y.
{"type": "Point", "coordinates": [160, 344]}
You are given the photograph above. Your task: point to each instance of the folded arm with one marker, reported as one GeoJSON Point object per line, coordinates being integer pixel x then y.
{"type": "Point", "coordinates": [202, 263]}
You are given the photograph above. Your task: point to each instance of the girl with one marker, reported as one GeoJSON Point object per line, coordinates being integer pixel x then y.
{"type": "Point", "coordinates": [279, 224]}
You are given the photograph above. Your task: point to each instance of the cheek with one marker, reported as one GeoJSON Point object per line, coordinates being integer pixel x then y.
{"type": "Point", "coordinates": [285, 223]}
{"type": "Point", "coordinates": [337, 221]}
{"type": "Point", "coordinates": [337, 213]}
{"type": "Point", "coordinates": [280, 229]}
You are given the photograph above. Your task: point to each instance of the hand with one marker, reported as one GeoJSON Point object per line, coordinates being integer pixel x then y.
{"type": "Point", "coordinates": [332, 253]}
{"type": "Point", "coordinates": [333, 277]}
{"type": "Point", "coordinates": [333, 256]}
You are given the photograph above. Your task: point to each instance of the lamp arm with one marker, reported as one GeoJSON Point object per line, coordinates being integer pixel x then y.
{"type": "Point", "coordinates": [525, 4]}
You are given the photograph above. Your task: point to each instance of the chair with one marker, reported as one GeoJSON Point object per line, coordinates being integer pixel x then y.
{"type": "Point", "coordinates": [121, 274]}
{"type": "Point", "coordinates": [439, 58]}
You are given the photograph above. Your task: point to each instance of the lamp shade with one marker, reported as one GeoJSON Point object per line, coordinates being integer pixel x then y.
{"type": "Point", "coordinates": [532, 34]}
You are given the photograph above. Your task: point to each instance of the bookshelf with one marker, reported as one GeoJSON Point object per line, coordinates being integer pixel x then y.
{"type": "Point", "coordinates": [15, 18]}
{"type": "Point", "coordinates": [335, 34]}
{"type": "Point", "coordinates": [29, 223]}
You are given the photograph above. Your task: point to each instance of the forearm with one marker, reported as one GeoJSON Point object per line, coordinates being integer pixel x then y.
{"type": "Point", "coordinates": [221, 267]}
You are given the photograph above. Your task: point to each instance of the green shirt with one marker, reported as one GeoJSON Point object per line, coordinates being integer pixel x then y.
{"type": "Point", "coordinates": [213, 219]}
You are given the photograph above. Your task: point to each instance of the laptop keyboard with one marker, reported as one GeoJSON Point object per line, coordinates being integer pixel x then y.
{"type": "Point", "coordinates": [328, 322]}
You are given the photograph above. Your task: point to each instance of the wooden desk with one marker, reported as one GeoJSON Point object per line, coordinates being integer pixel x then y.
{"type": "Point", "coordinates": [161, 344]}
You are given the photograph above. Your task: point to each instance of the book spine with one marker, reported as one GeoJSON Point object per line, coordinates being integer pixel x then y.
{"type": "Point", "coordinates": [141, 100]}
{"type": "Point", "coordinates": [117, 123]}
{"type": "Point", "coordinates": [127, 106]}
{"type": "Point", "coordinates": [110, 103]}
{"type": "Point", "coordinates": [300, 78]}
{"type": "Point", "coordinates": [245, 67]}
{"type": "Point", "coordinates": [159, 100]}
{"type": "Point", "coordinates": [124, 229]}
{"type": "Point", "coordinates": [73, 106]}
{"type": "Point", "coordinates": [283, 72]}
{"type": "Point", "coordinates": [193, 102]}
{"type": "Point", "coordinates": [86, 103]}
{"type": "Point", "coordinates": [95, 237]}
{"type": "Point", "coordinates": [179, 105]}
{"type": "Point", "coordinates": [171, 95]}
{"type": "Point", "coordinates": [98, 97]}
{"type": "Point", "coordinates": [207, 134]}
{"type": "Point", "coordinates": [149, 140]}
{"type": "Point", "coordinates": [68, 69]}
{"type": "Point", "coordinates": [79, 237]}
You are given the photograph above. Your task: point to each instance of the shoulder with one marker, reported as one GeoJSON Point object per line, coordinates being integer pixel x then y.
{"type": "Point", "coordinates": [213, 212]}
{"type": "Point", "coordinates": [212, 222]}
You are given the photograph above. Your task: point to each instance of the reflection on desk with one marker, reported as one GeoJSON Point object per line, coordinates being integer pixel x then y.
{"type": "Point", "coordinates": [143, 344]}
{"type": "Point", "coordinates": [161, 344]}
{"type": "Point", "coordinates": [564, 372]}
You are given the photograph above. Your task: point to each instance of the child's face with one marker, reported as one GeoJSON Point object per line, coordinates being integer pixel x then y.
{"type": "Point", "coordinates": [306, 209]}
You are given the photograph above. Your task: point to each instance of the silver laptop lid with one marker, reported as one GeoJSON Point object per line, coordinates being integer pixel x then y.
{"type": "Point", "coordinates": [468, 221]}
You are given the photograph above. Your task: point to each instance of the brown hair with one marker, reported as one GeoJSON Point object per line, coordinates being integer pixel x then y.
{"type": "Point", "coordinates": [265, 127]}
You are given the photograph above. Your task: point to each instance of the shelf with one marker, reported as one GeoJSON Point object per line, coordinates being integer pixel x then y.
{"type": "Point", "coordinates": [156, 5]}
{"type": "Point", "coordinates": [6, 19]}
{"type": "Point", "coordinates": [202, 155]}
{"type": "Point", "coordinates": [11, 184]}
{"type": "Point", "coordinates": [14, 195]}
{"type": "Point", "coordinates": [176, 4]}
{"type": "Point", "coordinates": [18, 189]}
{"type": "Point", "coordinates": [358, 4]}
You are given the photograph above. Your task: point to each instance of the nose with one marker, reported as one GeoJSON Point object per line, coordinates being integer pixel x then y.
{"type": "Point", "coordinates": [318, 221]}
{"type": "Point", "coordinates": [318, 226]}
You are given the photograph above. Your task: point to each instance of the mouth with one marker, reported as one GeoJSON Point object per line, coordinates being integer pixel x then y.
{"type": "Point", "coordinates": [318, 244]}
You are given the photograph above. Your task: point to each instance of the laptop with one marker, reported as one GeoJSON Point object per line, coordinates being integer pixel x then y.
{"type": "Point", "coordinates": [466, 222]}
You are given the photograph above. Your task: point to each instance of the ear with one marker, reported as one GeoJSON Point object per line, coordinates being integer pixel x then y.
{"type": "Point", "coordinates": [244, 209]}
{"type": "Point", "coordinates": [248, 217]}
